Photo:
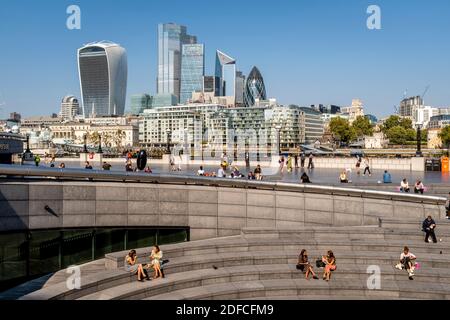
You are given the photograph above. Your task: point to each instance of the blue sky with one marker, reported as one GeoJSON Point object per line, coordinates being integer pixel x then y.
{"type": "Point", "coordinates": [307, 51]}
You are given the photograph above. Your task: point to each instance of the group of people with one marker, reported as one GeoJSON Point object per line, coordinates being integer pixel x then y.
{"type": "Point", "coordinates": [256, 174]}
{"type": "Point", "coordinates": [418, 186]}
{"type": "Point", "coordinates": [292, 162]}
{"type": "Point", "coordinates": [327, 262]}
{"type": "Point", "coordinates": [366, 163]}
{"type": "Point", "coordinates": [141, 270]}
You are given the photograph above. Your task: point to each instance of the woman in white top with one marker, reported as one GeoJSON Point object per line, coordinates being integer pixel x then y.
{"type": "Point", "coordinates": [200, 171]}
{"type": "Point", "coordinates": [404, 186]}
{"type": "Point", "coordinates": [156, 258]}
{"type": "Point", "coordinates": [419, 187]}
{"type": "Point", "coordinates": [407, 261]}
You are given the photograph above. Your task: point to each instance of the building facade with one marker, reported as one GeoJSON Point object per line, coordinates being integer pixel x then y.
{"type": "Point", "coordinates": [354, 111]}
{"type": "Point", "coordinates": [254, 88]}
{"type": "Point", "coordinates": [171, 37]}
{"type": "Point", "coordinates": [70, 108]}
{"type": "Point", "coordinates": [409, 106]}
{"type": "Point", "coordinates": [103, 72]}
{"type": "Point", "coordinates": [226, 72]}
{"type": "Point", "coordinates": [192, 70]}
{"type": "Point", "coordinates": [240, 88]}
{"type": "Point", "coordinates": [140, 102]}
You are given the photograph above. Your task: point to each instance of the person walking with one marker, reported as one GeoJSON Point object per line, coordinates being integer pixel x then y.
{"type": "Point", "coordinates": [37, 160]}
{"type": "Point", "coordinates": [289, 163]}
{"type": "Point", "coordinates": [428, 227]}
{"type": "Point", "coordinates": [172, 163]}
{"type": "Point", "coordinates": [310, 161]}
{"type": "Point", "coordinates": [367, 167]}
{"type": "Point", "coordinates": [281, 163]}
{"type": "Point", "coordinates": [296, 160]}
{"type": "Point", "coordinates": [302, 159]}
{"type": "Point", "coordinates": [358, 166]}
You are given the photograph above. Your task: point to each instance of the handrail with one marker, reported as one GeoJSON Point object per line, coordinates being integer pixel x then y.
{"type": "Point", "coordinates": [100, 175]}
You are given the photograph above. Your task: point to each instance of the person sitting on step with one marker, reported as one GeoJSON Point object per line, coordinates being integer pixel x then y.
{"type": "Point", "coordinates": [304, 265]}
{"type": "Point", "coordinates": [343, 177]}
{"type": "Point", "coordinates": [419, 187]}
{"type": "Point", "coordinates": [330, 265]}
{"type": "Point", "coordinates": [133, 267]}
{"type": "Point", "coordinates": [404, 186]}
{"type": "Point", "coordinates": [407, 261]}
{"type": "Point", "coordinates": [428, 226]}
{"type": "Point", "coordinates": [156, 259]}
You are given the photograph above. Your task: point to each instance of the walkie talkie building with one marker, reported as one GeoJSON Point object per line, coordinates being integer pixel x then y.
{"type": "Point", "coordinates": [103, 72]}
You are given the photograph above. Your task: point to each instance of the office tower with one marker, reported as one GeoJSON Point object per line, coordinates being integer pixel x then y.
{"type": "Point", "coordinates": [69, 108]}
{"type": "Point", "coordinates": [192, 70]}
{"type": "Point", "coordinates": [140, 102]}
{"type": "Point", "coordinates": [103, 71]}
{"type": "Point", "coordinates": [211, 84]}
{"type": "Point", "coordinates": [226, 72]}
{"type": "Point", "coordinates": [254, 88]}
{"type": "Point", "coordinates": [164, 100]}
{"type": "Point", "coordinates": [240, 87]}
{"type": "Point", "coordinates": [171, 37]}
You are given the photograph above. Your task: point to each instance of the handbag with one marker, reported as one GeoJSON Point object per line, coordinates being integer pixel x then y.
{"type": "Point", "coordinates": [320, 263]}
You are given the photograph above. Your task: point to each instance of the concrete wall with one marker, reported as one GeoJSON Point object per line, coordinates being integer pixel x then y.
{"type": "Point", "coordinates": [208, 211]}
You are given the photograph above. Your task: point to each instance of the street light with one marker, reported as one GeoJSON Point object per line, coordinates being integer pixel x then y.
{"type": "Point", "coordinates": [168, 131]}
{"type": "Point", "coordinates": [85, 150]}
{"type": "Point", "coordinates": [278, 128]}
{"type": "Point", "coordinates": [99, 144]}
{"type": "Point", "coordinates": [419, 141]}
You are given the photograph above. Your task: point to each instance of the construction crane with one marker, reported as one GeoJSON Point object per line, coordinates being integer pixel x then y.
{"type": "Point", "coordinates": [424, 93]}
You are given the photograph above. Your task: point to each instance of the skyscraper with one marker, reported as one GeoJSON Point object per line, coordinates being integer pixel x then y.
{"type": "Point", "coordinates": [192, 70]}
{"type": "Point", "coordinates": [240, 86]}
{"type": "Point", "coordinates": [254, 88]}
{"type": "Point", "coordinates": [140, 102]}
{"type": "Point", "coordinates": [171, 37]}
{"type": "Point", "coordinates": [103, 69]}
{"type": "Point", "coordinates": [226, 71]}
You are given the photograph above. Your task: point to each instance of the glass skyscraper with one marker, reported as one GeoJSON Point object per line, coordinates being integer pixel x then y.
{"type": "Point", "coordinates": [226, 71]}
{"type": "Point", "coordinates": [140, 102]}
{"type": "Point", "coordinates": [171, 37]}
{"type": "Point", "coordinates": [103, 71]}
{"type": "Point", "coordinates": [192, 70]}
{"type": "Point", "coordinates": [254, 88]}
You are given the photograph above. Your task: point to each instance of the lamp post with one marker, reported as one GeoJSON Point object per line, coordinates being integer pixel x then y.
{"type": "Point", "coordinates": [100, 144]}
{"type": "Point", "coordinates": [85, 150]}
{"type": "Point", "coordinates": [168, 131]}
{"type": "Point", "coordinates": [419, 141]}
{"type": "Point", "coordinates": [278, 128]}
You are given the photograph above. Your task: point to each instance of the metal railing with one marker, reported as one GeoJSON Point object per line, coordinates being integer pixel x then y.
{"type": "Point", "coordinates": [22, 172]}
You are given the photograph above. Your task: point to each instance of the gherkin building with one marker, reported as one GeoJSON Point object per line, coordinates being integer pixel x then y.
{"type": "Point", "coordinates": [254, 88]}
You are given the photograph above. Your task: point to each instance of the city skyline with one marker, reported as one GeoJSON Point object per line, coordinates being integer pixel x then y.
{"type": "Point", "coordinates": [303, 62]}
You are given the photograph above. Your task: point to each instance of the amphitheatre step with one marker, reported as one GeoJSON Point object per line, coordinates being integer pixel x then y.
{"type": "Point", "coordinates": [182, 280]}
{"type": "Point", "coordinates": [442, 224]}
{"type": "Point", "coordinates": [312, 297]}
{"type": "Point", "coordinates": [300, 287]}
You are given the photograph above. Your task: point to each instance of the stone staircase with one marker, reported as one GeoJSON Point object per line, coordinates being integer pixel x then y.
{"type": "Point", "coordinates": [260, 264]}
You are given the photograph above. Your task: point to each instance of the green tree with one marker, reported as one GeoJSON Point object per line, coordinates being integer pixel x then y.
{"type": "Point", "coordinates": [398, 135]}
{"type": "Point", "coordinates": [341, 130]}
{"type": "Point", "coordinates": [445, 136]}
{"type": "Point", "coordinates": [395, 121]}
{"type": "Point", "coordinates": [362, 126]}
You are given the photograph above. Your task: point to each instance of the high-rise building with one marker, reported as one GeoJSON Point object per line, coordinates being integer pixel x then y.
{"type": "Point", "coordinates": [70, 108]}
{"type": "Point", "coordinates": [103, 78]}
{"type": "Point", "coordinates": [171, 37]}
{"type": "Point", "coordinates": [409, 106]}
{"type": "Point", "coordinates": [140, 102]}
{"type": "Point", "coordinates": [354, 111]}
{"type": "Point", "coordinates": [226, 72]}
{"type": "Point", "coordinates": [254, 88]}
{"type": "Point", "coordinates": [211, 84]}
{"type": "Point", "coordinates": [192, 70]}
{"type": "Point", "coordinates": [164, 100]}
{"type": "Point", "coordinates": [240, 87]}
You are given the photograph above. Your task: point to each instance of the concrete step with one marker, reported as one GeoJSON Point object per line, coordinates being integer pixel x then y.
{"type": "Point", "coordinates": [134, 289]}
{"type": "Point", "coordinates": [443, 225]}
{"type": "Point", "coordinates": [299, 287]}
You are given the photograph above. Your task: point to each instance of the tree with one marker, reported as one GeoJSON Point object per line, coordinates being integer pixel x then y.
{"type": "Point", "coordinates": [362, 126]}
{"type": "Point", "coordinates": [445, 136]}
{"type": "Point", "coordinates": [395, 121]}
{"type": "Point", "coordinates": [341, 130]}
{"type": "Point", "coordinates": [398, 135]}
{"type": "Point", "coordinates": [119, 135]}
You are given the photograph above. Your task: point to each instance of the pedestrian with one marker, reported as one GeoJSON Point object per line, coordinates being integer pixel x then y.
{"type": "Point", "coordinates": [302, 159]}
{"type": "Point", "coordinates": [304, 265]}
{"type": "Point", "coordinates": [358, 166]}
{"type": "Point", "coordinates": [129, 166]}
{"type": "Point", "coordinates": [37, 160]}
{"type": "Point", "coordinates": [404, 186]}
{"type": "Point", "coordinates": [258, 172]}
{"type": "Point", "coordinates": [367, 167]}
{"type": "Point", "coordinates": [62, 165]}
{"type": "Point", "coordinates": [172, 162]}
{"type": "Point", "coordinates": [180, 160]}
{"type": "Point", "coordinates": [447, 206]}
{"type": "Point", "coordinates": [296, 160]}
{"type": "Point", "coordinates": [387, 177]}
{"type": "Point", "coordinates": [310, 161]}
{"type": "Point", "coordinates": [281, 163]}
{"type": "Point", "coordinates": [407, 261]}
{"type": "Point", "coordinates": [419, 187]}
{"type": "Point", "coordinates": [289, 163]}
{"type": "Point", "coordinates": [221, 172]}
{"type": "Point", "coordinates": [304, 178]}
{"type": "Point", "coordinates": [88, 165]}
{"type": "Point", "coordinates": [428, 226]}
{"type": "Point", "coordinates": [106, 166]}
{"type": "Point", "coordinates": [247, 159]}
